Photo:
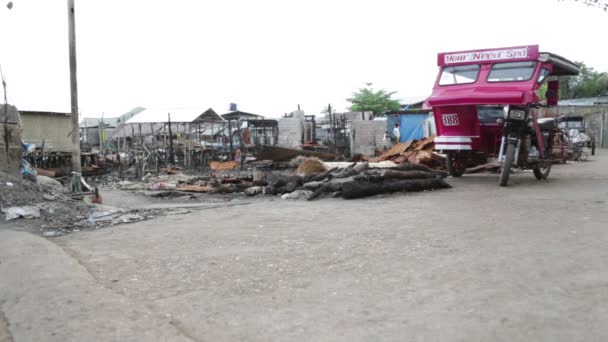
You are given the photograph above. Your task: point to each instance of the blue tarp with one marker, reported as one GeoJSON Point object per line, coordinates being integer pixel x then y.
{"type": "Point", "coordinates": [411, 126]}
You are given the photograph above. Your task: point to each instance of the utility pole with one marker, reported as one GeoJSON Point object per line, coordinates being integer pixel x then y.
{"type": "Point", "coordinates": [73, 89]}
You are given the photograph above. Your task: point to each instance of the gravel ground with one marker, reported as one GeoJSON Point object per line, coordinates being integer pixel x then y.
{"type": "Point", "coordinates": [473, 263]}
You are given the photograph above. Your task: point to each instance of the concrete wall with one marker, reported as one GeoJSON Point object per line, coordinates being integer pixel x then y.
{"type": "Point", "coordinates": [596, 120]}
{"type": "Point", "coordinates": [357, 116]}
{"type": "Point", "coordinates": [53, 128]}
{"type": "Point", "coordinates": [291, 130]}
{"type": "Point", "coordinates": [367, 136]}
{"type": "Point", "coordinates": [10, 131]}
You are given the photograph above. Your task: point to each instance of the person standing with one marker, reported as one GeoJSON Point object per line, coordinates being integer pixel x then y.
{"type": "Point", "coordinates": [396, 134]}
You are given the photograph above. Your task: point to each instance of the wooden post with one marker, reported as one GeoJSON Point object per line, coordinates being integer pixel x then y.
{"type": "Point", "coordinates": [101, 125]}
{"type": "Point", "coordinates": [141, 138]}
{"type": "Point", "coordinates": [85, 133]}
{"type": "Point", "coordinates": [153, 135]}
{"type": "Point", "coordinates": [171, 153]}
{"type": "Point", "coordinates": [189, 159]}
{"type": "Point", "coordinates": [230, 136]}
{"type": "Point", "coordinates": [132, 137]}
{"type": "Point", "coordinates": [602, 128]}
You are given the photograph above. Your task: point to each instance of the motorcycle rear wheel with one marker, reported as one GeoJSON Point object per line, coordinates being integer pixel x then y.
{"type": "Point", "coordinates": [454, 167]}
{"type": "Point", "coordinates": [542, 173]}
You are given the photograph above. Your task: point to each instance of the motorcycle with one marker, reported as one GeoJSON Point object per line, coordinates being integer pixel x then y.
{"type": "Point", "coordinates": [526, 143]}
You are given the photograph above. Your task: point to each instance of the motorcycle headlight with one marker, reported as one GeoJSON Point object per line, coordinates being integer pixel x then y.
{"type": "Point", "coordinates": [517, 114]}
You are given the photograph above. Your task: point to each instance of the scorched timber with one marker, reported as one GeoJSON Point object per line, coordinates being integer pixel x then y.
{"type": "Point", "coordinates": [356, 189]}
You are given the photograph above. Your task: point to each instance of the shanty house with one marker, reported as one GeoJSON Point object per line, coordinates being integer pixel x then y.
{"type": "Point", "coordinates": [50, 131]}
{"type": "Point", "coordinates": [252, 127]}
{"type": "Point", "coordinates": [152, 126]}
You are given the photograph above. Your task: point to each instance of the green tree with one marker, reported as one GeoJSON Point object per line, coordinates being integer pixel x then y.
{"type": "Point", "coordinates": [377, 101]}
{"type": "Point", "coordinates": [588, 83]}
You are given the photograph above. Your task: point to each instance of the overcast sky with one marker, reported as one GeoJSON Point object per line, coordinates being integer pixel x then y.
{"type": "Point", "coordinates": [267, 56]}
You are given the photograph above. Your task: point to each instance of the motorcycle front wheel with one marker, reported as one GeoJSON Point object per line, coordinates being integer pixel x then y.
{"type": "Point", "coordinates": [505, 171]}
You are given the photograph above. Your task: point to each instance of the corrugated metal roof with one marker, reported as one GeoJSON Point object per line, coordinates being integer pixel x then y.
{"type": "Point", "coordinates": [111, 120]}
{"type": "Point", "coordinates": [587, 101]}
{"type": "Point", "coordinates": [240, 114]}
{"type": "Point", "coordinates": [177, 115]}
{"type": "Point", "coordinates": [94, 122]}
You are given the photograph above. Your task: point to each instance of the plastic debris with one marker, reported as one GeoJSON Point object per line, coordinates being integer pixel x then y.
{"type": "Point", "coordinates": [297, 194]}
{"type": "Point", "coordinates": [25, 212]}
{"type": "Point", "coordinates": [254, 190]}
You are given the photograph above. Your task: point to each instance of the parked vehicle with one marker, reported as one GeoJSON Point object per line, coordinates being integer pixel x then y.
{"type": "Point", "coordinates": [578, 141]}
{"type": "Point", "coordinates": [569, 123]}
{"type": "Point", "coordinates": [486, 107]}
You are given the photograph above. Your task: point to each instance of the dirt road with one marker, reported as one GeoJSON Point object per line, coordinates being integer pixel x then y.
{"type": "Point", "coordinates": [473, 263]}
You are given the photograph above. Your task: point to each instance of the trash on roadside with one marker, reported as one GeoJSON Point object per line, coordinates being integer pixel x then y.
{"type": "Point", "coordinates": [163, 186]}
{"type": "Point", "coordinates": [296, 195]}
{"type": "Point", "coordinates": [27, 212]}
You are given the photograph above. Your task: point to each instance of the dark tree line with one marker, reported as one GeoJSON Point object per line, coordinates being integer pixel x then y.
{"type": "Point", "coordinates": [589, 83]}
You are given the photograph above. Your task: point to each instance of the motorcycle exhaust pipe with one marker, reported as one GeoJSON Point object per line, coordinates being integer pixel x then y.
{"type": "Point", "coordinates": [517, 148]}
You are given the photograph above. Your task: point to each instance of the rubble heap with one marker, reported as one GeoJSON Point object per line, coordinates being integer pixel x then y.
{"type": "Point", "coordinates": [414, 152]}
{"type": "Point", "coordinates": [54, 210]}
{"type": "Point", "coordinates": [358, 180]}
{"type": "Point", "coordinates": [45, 199]}
{"type": "Point", "coordinates": [312, 179]}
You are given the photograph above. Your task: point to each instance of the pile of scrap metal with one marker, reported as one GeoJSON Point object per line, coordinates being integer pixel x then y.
{"type": "Point", "coordinates": [414, 152]}
{"type": "Point", "coordinates": [94, 164]}
{"type": "Point", "coordinates": [225, 179]}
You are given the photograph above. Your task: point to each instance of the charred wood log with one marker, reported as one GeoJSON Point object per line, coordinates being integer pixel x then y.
{"type": "Point", "coordinates": [361, 167]}
{"type": "Point", "coordinates": [418, 167]}
{"type": "Point", "coordinates": [312, 186]}
{"type": "Point", "coordinates": [321, 176]}
{"type": "Point", "coordinates": [224, 189]}
{"type": "Point", "coordinates": [395, 174]}
{"type": "Point", "coordinates": [356, 189]}
{"type": "Point", "coordinates": [333, 185]}
{"type": "Point", "coordinates": [347, 173]}
{"type": "Point", "coordinates": [282, 180]}
{"type": "Point", "coordinates": [323, 189]}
